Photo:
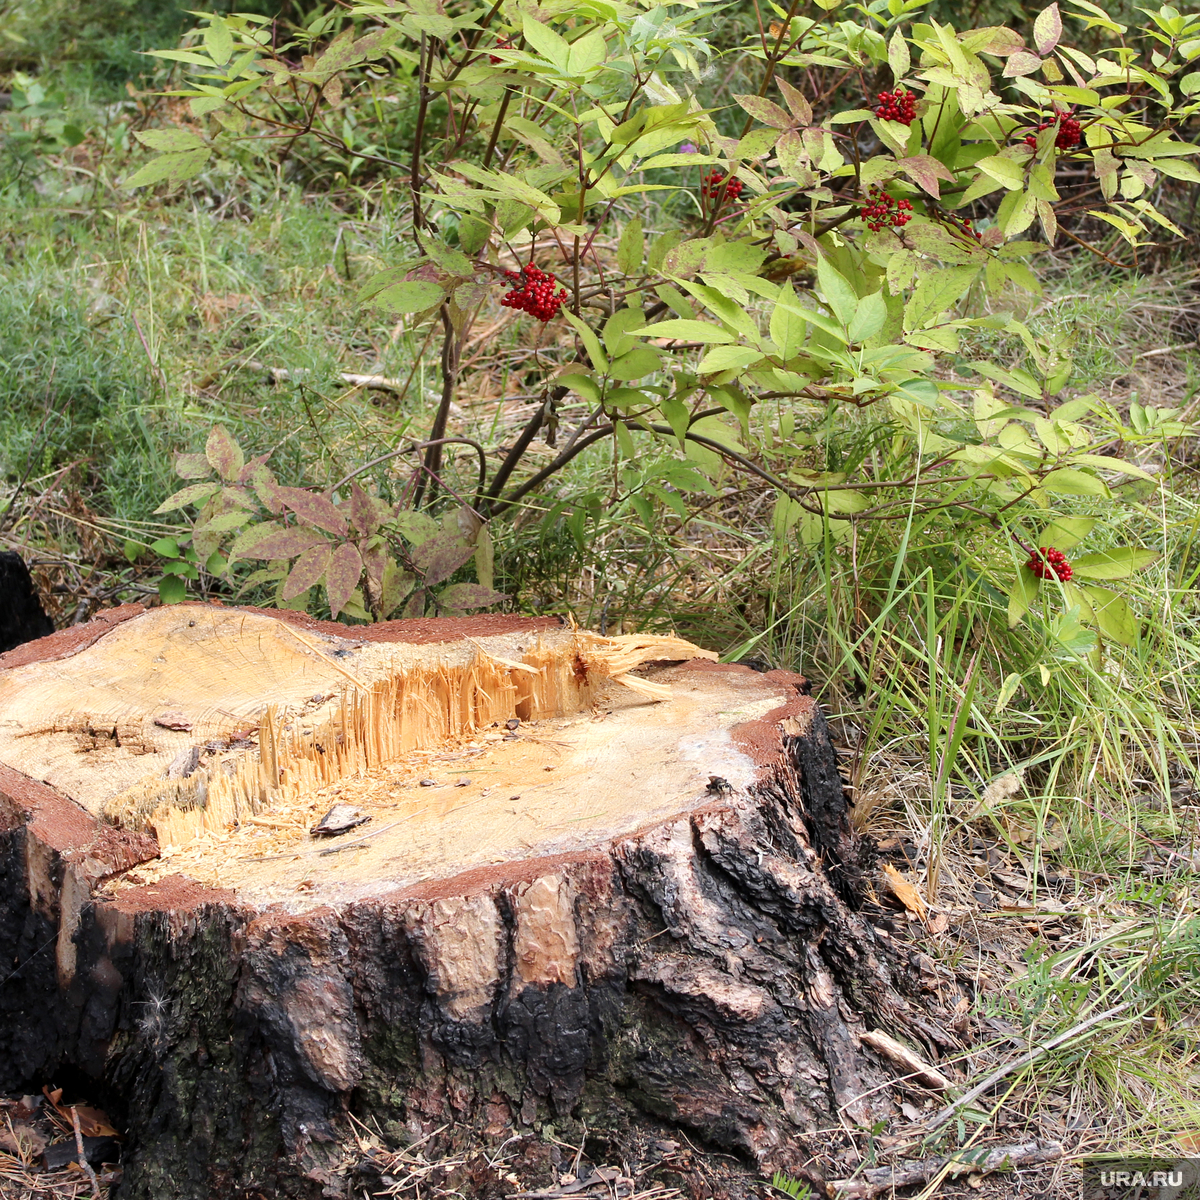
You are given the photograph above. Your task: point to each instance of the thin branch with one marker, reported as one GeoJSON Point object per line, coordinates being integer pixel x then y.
{"type": "Point", "coordinates": [416, 446]}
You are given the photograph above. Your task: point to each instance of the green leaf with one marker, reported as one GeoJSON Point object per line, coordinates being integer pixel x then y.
{"type": "Point", "coordinates": [1008, 689]}
{"type": "Point", "coordinates": [835, 287]}
{"type": "Point", "coordinates": [631, 248]}
{"type": "Point", "coordinates": [224, 522]}
{"type": "Point", "coordinates": [218, 41]}
{"type": "Point", "coordinates": [633, 364]}
{"type": "Point", "coordinates": [455, 262]}
{"type": "Point", "coordinates": [1003, 170]}
{"type": "Point", "coordinates": [619, 328]}
{"type": "Point", "coordinates": [1112, 615]}
{"type": "Point", "coordinates": [170, 141]}
{"type": "Point", "coordinates": [644, 509]}
{"type": "Point", "coordinates": [485, 557]}
{"type": "Point", "coordinates": [590, 340]}
{"type": "Point", "coordinates": [1064, 532]}
{"type": "Point", "coordinates": [172, 589]}
{"type": "Point", "coordinates": [473, 234]}
{"type": "Point", "coordinates": [1117, 563]}
{"type": "Point", "coordinates": [547, 43]}
{"type": "Point", "coordinates": [788, 330]}
{"type": "Point", "coordinates": [397, 584]}
{"type": "Point", "coordinates": [586, 53]}
{"type": "Point", "coordinates": [728, 358]}
{"type": "Point", "coordinates": [169, 168]}
{"type": "Point", "coordinates": [688, 331]}
{"type": "Point", "coordinates": [899, 58]}
{"type": "Point", "coordinates": [193, 494]}
{"type": "Point", "coordinates": [415, 527]}
{"type": "Point", "coordinates": [415, 295]}
{"type": "Point", "coordinates": [678, 416]}
{"type": "Point", "coordinates": [1067, 481]}
{"type": "Point", "coordinates": [869, 319]}
{"type": "Point", "coordinates": [166, 547]}
{"type": "Point", "coordinates": [1021, 595]}
{"type": "Point", "coordinates": [937, 292]}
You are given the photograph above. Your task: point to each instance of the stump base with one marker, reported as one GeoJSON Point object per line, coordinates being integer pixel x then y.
{"type": "Point", "coordinates": [636, 911]}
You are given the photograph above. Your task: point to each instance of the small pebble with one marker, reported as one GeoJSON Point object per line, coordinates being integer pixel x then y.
{"type": "Point", "coordinates": [429, 783]}
{"type": "Point", "coordinates": [463, 782]}
{"type": "Point", "coordinates": [513, 723]}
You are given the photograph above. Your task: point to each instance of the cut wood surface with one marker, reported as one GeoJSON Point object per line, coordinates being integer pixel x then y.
{"type": "Point", "coordinates": [603, 880]}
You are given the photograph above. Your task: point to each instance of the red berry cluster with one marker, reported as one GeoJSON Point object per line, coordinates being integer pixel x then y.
{"type": "Point", "coordinates": [1069, 132]}
{"type": "Point", "coordinates": [896, 106]}
{"type": "Point", "coordinates": [970, 231]}
{"type": "Point", "coordinates": [882, 209]}
{"type": "Point", "coordinates": [533, 292]}
{"type": "Point", "coordinates": [1046, 563]}
{"type": "Point", "coordinates": [712, 183]}
{"type": "Point", "coordinates": [501, 44]}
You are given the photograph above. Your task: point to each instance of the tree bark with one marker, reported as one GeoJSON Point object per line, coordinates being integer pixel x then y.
{"type": "Point", "coordinates": [693, 957]}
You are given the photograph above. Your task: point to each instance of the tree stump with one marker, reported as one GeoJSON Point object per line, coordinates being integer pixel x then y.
{"type": "Point", "coordinates": [601, 880]}
{"type": "Point", "coordinates": [22, 617]}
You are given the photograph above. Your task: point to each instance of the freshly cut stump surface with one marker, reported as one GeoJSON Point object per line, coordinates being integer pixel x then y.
{"type": "Point", "coordinates": [583, 879]}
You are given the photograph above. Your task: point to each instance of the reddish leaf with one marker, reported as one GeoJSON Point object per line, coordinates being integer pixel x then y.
{"type": "Point", "coordinates": [192, 466]}
{"type": "Point", "coordinates": [801, 109]}
{"type": "Point", "coordinates": [1000, 41]}
{"type": "Point", "coordinates": [262, 479]}
{"type": "Point", "coordinates": [364, 511]}
{"type": "Point", "coordinates": [287, 543]}
{"type": "Point", "coordinates": [416, 604]}
{"type": "Point", "coordinates": [250, 537]}
{"type": "Point", "coordinates": [194, 493]}
{"type": "Point", "coordinates": [314, 509]}
{"type": "Point", "coordinates": [247, 472]}
{"type": "Point", "coordinates": [925, 171]}
{"type": "Point", "coordinates": [342, 575]}
{"type": "Point", "coordinates": [463, 596]}
{"type": "Point", "coordinates": [1022, 62]}
{"type": "Point", "coordinates": [94, 1122]}
{"type": "Point", "coordinates": [224, 454]}
{"type": "Point", "coordinates": [766, 111]}
{"type": "Point", "coordinates": [440, 557]}
{"type": "Point", "coordinates": [1047, 29]}
{"type": "Point", "coordinates": [396, 585]}
{"type": "Point", "coordinates": [307, 572]}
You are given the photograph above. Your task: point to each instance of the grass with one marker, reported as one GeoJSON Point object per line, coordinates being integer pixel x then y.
{"type": "Point", "coordinates": [127, 327]}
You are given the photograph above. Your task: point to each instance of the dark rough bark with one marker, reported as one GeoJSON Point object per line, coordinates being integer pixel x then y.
{"type": "Point", "coordinates": [710, 972]}
{"type": "Point", "coordinates": [22, 617]}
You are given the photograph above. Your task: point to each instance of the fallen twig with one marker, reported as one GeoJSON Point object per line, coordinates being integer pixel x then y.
{"type": "Point", "coordinates": [83, 1162]}
{"type": "Point", "coordinates": [875, 1180]}
{"type": "Point", "coordinates": [907, 1060]}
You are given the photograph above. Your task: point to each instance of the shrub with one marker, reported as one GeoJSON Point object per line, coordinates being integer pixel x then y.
{"type": "Point", "coordinates": [830, 266]}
